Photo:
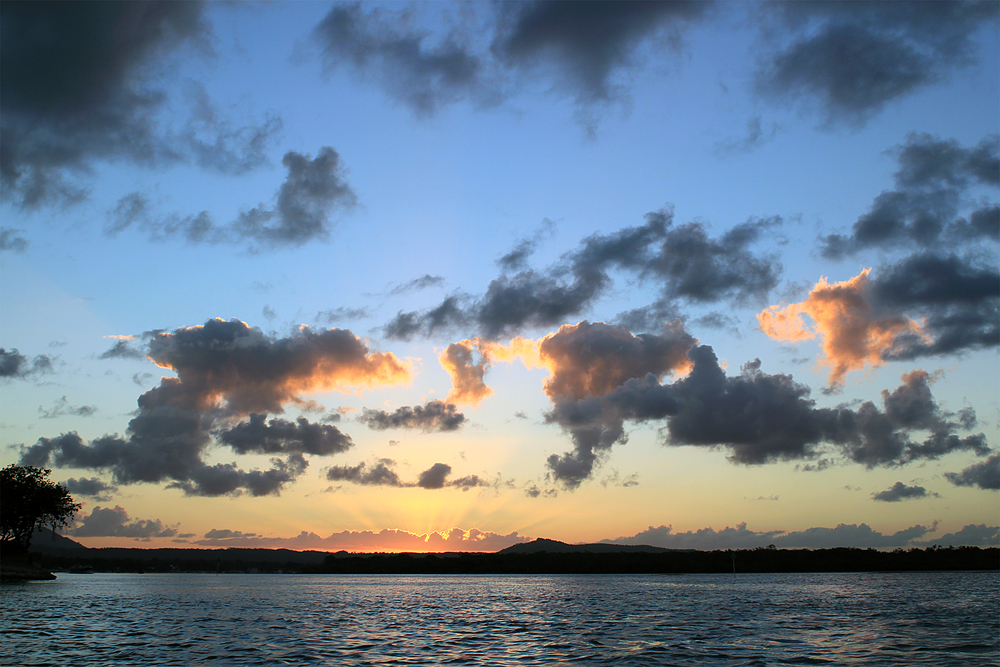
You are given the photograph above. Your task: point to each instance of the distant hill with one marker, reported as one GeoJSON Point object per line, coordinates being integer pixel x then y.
{"type": "Point", "coordinates": [555, 546]}
{"type": "Point", "coordinates": [46, 540]}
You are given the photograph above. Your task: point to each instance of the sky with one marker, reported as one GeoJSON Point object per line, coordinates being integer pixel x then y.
{"type": "Point", "coordinates": [453, 276]}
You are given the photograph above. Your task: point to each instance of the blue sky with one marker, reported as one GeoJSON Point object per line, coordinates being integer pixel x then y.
{"type": "Point", "coordinates": [589, 212]}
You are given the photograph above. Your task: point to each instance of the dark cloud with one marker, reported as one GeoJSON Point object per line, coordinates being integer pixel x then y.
{"type": "Point", "coordinates": [227, 370]}
{"type": "Point", "coordinates": [434, 416]}
{"type": "Point", "coordinates": [434, 477]}
{"type": "Point", "coordinates": [124, 348]}
{"type": "Point", "coordinates": [285, 437]}
{"type": "Point", "coordinates": [759, 418]}
{"type": "Point", "coordinates": [985, 474]}
{"type": "Point", "coordinates": [62, 408]}
{"type": "Point", "coordinates": [843, 535]}
{"type": "Point", "coordinates": [852, 59]}
{"type": "Point", "coordinates": [13, 364]}
{"type": "Point", "coordinates": [900, 491]}
{"type": "Point", "coordinates": [411, 69]}
{"type": "Point", "coordinates": [227, 479]}
{"type": "Point", "coordinates": [108, 522]}
{"type": "Point", "coordinates": [602, 375]}
{"type": "Point", "coordinates": [417, 284]}
{"type": "Point", "coordinates": [957, 300]}
{"type": "Point", "coordinates": [382, 473]}
{"type": "Point", "coordinates": [313, 189]}
{"type": "Point", "coordinates": [517, 259]}
{"type": "Point", "coordinates": [935, 181]}
{"type": "Point", "coordinates": [684, 261]}
{"type": "Point", "coordinates": [583, 45]}
{"type": "Point", "coordinates": [11, 239]}
{"type": "Point", "coordinates": [94, 487]}
{"type": "Point", "coordinates": [971, 535]}
{"type": "Point", "coordinates": [79, 86]}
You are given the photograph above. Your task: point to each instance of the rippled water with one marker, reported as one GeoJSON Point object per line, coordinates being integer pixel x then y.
{"type": "Point", "coordinates": [949, 618]}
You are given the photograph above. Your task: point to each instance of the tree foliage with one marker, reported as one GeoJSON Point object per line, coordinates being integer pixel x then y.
{"type": "Point", "coordinates": [28, 500]}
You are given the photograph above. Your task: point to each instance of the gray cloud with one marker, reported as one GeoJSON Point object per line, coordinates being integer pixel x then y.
{"type": "Point", "coordinates": [124, 348]}
{"type": "Point", "coordinates": [417, 284]}
{"type": "Point", "coordinates": [971, 535]}
{"type": "Point", "coordinates": [852, 59]}
{"type": "Point", "coordinates": [11, 239]}
{"type": "Point", "coordinates": [900, 491]}
{"type": "Point", "coordinates": [985, 474]}
{"type": "Point", "coordinates": [341, 314]}
{"type": "Point", "coordinates": [226, 370]}
{"type": "Point", "coordinates": [13, 364]}
{"type": "Point", "coordinates": [62, 408]}
{"type": "Point", "coordinates": [94, 487]}
{"type": "Point", "coordinates": [434, 416]}
{"type": "Point", "coordinates": [957, 300]}
{"type": "Point", "coordinates": [410, 68]}
{"type": "Point", "coordinates": [284, 437]}
{"type": "Point", "coordinates": [382, 473]}
{"type": "Point", "coordinates": [108, 522]}
{"type": "Point", "coordinates": [759, 418]}
{"type": "Point", "coordinates": [934, 183]}
{"type": "Point", "coordinates": [843, 535]}
{"type": "Point", "coordinates": [684, 261]}
{"type": "Point", "coordinates": [75, 92]}
{"type": "Point", "coordinates": [312, 190]}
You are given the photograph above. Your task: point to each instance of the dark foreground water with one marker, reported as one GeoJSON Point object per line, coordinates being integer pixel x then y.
{"type": "Point", "coordinates": [949, 618]}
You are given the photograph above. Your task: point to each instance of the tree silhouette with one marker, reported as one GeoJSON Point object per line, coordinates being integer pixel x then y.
{"type": "Point", "coordinates": [28, 500]}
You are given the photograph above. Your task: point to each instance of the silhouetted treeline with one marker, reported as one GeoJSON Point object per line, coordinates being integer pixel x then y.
{"type": "Point", "coordinates": [673, 562]}
{"type": "Point", "coordinates": [541, 562]}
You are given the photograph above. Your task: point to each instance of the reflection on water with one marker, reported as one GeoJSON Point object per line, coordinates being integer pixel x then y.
{"type": "Point", "coordinates": [948, 618]}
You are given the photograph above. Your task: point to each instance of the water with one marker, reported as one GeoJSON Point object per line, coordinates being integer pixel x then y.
{"type": "Point", "coordinates": [943, 618]}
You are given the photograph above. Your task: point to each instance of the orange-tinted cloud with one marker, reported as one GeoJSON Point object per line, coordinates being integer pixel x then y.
{"type": "Point", "coordinates": [252, 372]}
{"type": "Point", "coordinates": [467, 385]}
{"type": "Point", "coordinates": [367, 541]}
{"type": "Point", "coordinates": [853, 331]}
{"type": "Point", "coordinates": [593, 359]}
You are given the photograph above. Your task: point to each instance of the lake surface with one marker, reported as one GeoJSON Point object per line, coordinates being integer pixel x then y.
{"type": "Point", "coordinates": [939, 618]}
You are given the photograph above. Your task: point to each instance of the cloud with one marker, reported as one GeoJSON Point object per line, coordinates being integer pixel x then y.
{"type": "Point", "coordinates": [312, 190]}
{"type": "Point", "coordinates": [859, 536]}
{"type": "Point", "coordinates": [227, 370]}
{"type": "Point", "coordinates": [683, 261]}
{"type": "Point", "coordinates": [341, 314]}
{"type": "Point", "coordinates": [77, 92]}
{"type": "Point", "coordinates": [366, 541]}
{"type": "Point", "coordinates": [852, 60]}
{"type": "Point", "coordinates": [285, 437]}
{"type": "Point", "coordinates": [900, 491]}
{"type": "Point", "coordinates": [971, 535]}
{"type": "Point", "coordinates": [597, 369]}
{"type": "Point", "coordinates": [865, 321]}
{"type": "Point", "coordinates": [62, 407]}
{"type": "Point", "coordinates": [936, 180]}
{"type": "Point", "coordinates": [94, 487]}
{"type": "Point", "coordinates": [585, 47]}
{"type": "Point", "coordinates": [382, 473]}
{"type": "Point", "coordinates": [11, 239]}
{"type": "Point", "coordinates": [417, 284]}
{"type": "Point", "coordinates": [854, 331]}
{"type": "Point", "coordinates": [108, 522]}
{"type": "Point", "coordinates": [759, 418]}
{"type": "Point", "coordinates": [468, 386]}
{"type": "Point", "coordinates": [13, 364]}
{"type": "Point", "coordinates": [434, 416]}
{"type": "Point", "coordinates": [985, 474]}
{"type": "Point", "coordinates": [124, 348]}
